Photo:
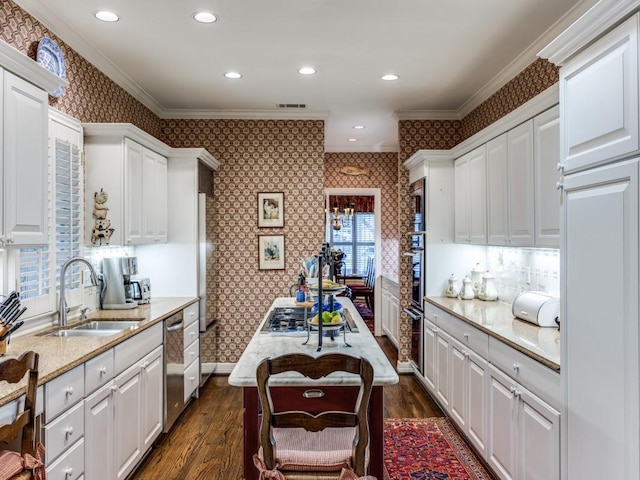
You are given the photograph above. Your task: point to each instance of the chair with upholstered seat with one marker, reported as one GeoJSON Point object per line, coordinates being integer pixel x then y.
{"type": "Point", "coordinates": [367, 289]}
{"type": "Point", "coordinates": [319, 444]}
{"type": "Point", "coordinates": [25, 464]}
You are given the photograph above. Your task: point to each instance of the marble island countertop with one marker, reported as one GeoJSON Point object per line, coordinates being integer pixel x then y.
{"type": "Point", "coordinates": [497, 320]}
{"type": "Point", "coordinates": [60, 354]}
{"type": "Point", "coordinates": [264, 345]}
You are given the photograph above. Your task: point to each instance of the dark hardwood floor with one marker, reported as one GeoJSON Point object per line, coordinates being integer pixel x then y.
{"type": "Point", "coordinates": [206, 441]}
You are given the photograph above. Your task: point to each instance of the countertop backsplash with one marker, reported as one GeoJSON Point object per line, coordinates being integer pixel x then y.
{"type": "Point", "coordinates": [524, 269]}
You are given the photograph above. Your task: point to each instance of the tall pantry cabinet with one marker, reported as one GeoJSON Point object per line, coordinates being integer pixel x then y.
{"type": "Point", "coordinates": [599, 116]}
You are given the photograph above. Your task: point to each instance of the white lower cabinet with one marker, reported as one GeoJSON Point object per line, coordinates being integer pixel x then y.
{"type": "Point", "coordinates": [504, 402]}
{"type": "Point", "coordinates": [524, 432]}
{"type": "Point", "coordinates": [123, 418]}
{"type": "Point", "coordinates": [390, 314]}
{"type": "Point", "coordinates": [468, 393]}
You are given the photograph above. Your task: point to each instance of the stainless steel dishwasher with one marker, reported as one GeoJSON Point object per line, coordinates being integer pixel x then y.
{"type": "Point", "coordinates": [173, 369]}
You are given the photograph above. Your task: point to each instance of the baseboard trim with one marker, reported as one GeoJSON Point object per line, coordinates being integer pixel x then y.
{"type": "Point", "coordinates": [224, 368]}
{"type": "Point", "coordinates": [404, 367]}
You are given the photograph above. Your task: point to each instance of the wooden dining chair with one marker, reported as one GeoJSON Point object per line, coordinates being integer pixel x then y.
{"type": "Point", "coordinates": [367, 289]}
{"type": "Point", "coordinates": [319, 444]}
{"type": "Point", "coordinates": [25, 464]}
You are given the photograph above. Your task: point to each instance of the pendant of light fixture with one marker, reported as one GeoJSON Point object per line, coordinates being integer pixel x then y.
{"type": "Point", "coordinates": [342, 219]}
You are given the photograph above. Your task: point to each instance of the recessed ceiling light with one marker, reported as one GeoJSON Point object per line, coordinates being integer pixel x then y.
{"type": "Point", "coordinates": [353, 139]}
{"type": "Point", "coordinates": [233, 75]}
{"type": "Point", "coordinates": [390, 76]}
{"type": "Point", "coordinates": [307, 71]}
{"type": "Point", "coordinates": [358, 127]}
{"type": "Point", "coordinates": [204, 17]}
{"type": "Point", "coordinates": [106, 16]}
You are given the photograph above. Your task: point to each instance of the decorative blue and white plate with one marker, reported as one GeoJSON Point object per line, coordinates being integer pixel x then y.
{"type": "Point", "coordinates": [50, 57]}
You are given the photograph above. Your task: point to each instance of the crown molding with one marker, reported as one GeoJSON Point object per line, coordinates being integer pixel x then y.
{"type": "Point", "coordinates": [538, 104]}
{"type": "Point", "coordinates": [603, 16]}
{"type": "Point", "coordinates": [422, 156]}
{"type": "Point", "coordinates": [51, 20]}
{"type": "Point", "coordinates": [526, 58]}
{"type": "Point", "coordinates": [363, 149]}
{"type": "Point", "coordinates": [243, 114]}
{"type": "Point", "coordinates": [21, 65]}
{"type": "Point", "coordinates": [196, 153]}
{"type": "Point", "coordinates": [128, 130]}
{"type": "Point", "coordinates": [427, 115]}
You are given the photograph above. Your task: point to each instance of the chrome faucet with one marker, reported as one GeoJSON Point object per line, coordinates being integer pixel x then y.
{"type": "Point", "coordinates": [62, 309]}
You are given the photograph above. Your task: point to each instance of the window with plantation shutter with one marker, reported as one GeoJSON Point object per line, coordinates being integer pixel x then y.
{"type": "Point", "coordinates": [357, 241]}
{"type": "Point", "coordinates": [68, 209]}
{"type": "Point", "coordinates": [38, 268]}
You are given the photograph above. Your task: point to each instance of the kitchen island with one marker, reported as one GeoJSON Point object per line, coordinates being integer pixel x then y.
{"type": "Point", "coordinates": [336, 386]}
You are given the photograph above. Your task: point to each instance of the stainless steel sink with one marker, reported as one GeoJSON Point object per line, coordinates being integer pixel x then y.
{"type": "Point", "coordinates": [96, 328]}
{"type": "Point", "coordinates": [117, 325]}
{"type": "Point", "coordinates": [72, 332]}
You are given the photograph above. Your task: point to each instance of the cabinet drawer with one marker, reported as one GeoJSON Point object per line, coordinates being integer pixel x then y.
{"type": "Point", "coordinates": [433, 313]}
{"type": "Point", "coordinates": [64, 431]}
{"type": "Point", "coordinates": [466, 334]}
{"type": "Point", "coordinates": [62, 392]}
{"type": "Point", "coordinates": [190, 313]}
{"type": "Point", "coordinates": [69, 466]}
{"type": "Point", "coordinates": [98, 371]}
{"type": "Point", "coordinates": [531, 374]}
{"type": "Point", "coordinates": [330, 398]}
{"type": "Point", "coordinates": [191, 333]}
{"type": "Point", "coordinates": [191, 379]}
{"type": "Point", "coordinates": [132, 350]}
{"type": "Point", "coordinates": [191, 352]}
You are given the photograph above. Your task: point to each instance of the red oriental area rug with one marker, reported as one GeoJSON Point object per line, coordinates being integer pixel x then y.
{"type": "Point", "coordinates": [428, 449]}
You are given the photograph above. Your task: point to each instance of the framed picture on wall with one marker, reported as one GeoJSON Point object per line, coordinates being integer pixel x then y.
{"type": "Point", "coordinates": [270, 252]}
{"type": "Point", "coordinates": [271, 210]}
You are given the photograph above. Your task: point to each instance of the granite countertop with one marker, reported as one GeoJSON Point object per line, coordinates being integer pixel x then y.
{"type": "Point", "coordinates": [60, 354]}
{"type": "Point", "coordinates": [263, 345]}
{"type": "Point", "coordinates": [497, 320]}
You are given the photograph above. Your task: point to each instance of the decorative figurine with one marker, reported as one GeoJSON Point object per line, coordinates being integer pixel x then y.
{"type": "Point", "coordinates": [452, 288]}
{"type": "Point", "coordinates": [102, 229]}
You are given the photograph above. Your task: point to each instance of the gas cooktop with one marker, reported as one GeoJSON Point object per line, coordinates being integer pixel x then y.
{"type": "Point", "coordinates": [292, 321]}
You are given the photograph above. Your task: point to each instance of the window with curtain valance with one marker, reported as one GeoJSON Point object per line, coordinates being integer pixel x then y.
{"type": "Point", "coordinates": [361, 203]}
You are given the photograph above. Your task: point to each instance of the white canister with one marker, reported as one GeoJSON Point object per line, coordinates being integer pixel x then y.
{"type": "Point", "coordinates": [467, 289]}
{"type": "Point", "coordinates": [476, 278]}
{"type": "Point", "coordinates": [488, 290]}
{"type": "Point", "coordinates": [452, 287]}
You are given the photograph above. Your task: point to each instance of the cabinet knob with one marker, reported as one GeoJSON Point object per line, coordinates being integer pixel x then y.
{"type": "Point", "coordinates": [114, 388]}
{"type": "Point", "coordinates": [68, 431]}
{"type": "Point", "coordinates": [466, 336]}
{"type": "Point", "coordinates": [103, 371]}
{"type": "Point", "coordinates": [9, 240]}
{"type": "Point", "coordinates": [69, 391]}
{"type": "Point", "coordinates": [559, 185]}
{"type": "Point", "coordinates": [516, 367]}
{"type": "Point", "coordinates": [560, 167]}
{"type": "Point", "coordinates": [68, 472]}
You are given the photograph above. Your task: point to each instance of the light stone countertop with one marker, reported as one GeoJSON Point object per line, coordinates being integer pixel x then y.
{"type": "Point", "coordinates": [60, 354]}
{"type": "Point", "coordinates": [497, 320]}
{"type": "Point", "coordinates": [264, 345]}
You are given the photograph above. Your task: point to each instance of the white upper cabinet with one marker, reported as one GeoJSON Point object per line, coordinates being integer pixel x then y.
{"type": "Point", "coordinates": [470, 197]}
{"type": "Point", "coordinates": [497, 192]}
{"type": "Point", "coordinates": [546, 134]}
{"type": "Point", "coordinates": [599, 99]}
{"type": "Point", "coordinates": [129, 166]}
{"type": "Point", "coordinates": [24, 210]}
{"type": "Point", "coordinates": [520, 184]}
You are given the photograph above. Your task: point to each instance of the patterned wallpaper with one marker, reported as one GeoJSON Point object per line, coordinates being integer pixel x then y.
{"type": "Point", "coordinates": [90, 96]}
{"type": "Point", "coordinates": [383, 174]}
{"type": "Point", "coordinates": [270, 155]}
{"type": "Point", "coordinates": [257, 156]}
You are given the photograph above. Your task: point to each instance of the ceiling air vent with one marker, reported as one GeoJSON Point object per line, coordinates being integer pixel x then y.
{"type": "Point", "coordinates": [292, 105]}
